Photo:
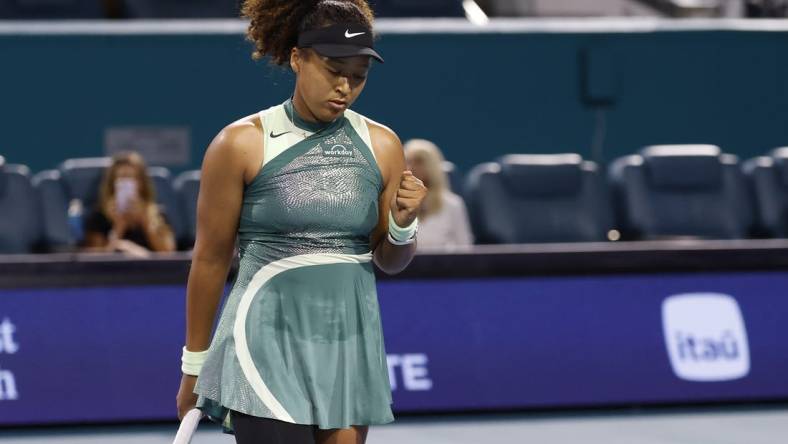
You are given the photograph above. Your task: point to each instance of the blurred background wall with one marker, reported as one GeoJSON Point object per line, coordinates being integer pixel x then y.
{"type": "Point", "coordinates": [478, 95]}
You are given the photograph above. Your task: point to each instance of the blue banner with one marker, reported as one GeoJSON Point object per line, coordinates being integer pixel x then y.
{"type": "Point", "coordinates": [112, 354]}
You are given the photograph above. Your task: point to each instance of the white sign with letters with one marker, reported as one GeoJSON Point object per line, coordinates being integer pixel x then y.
{"type": "Point", "coordinates": [413, 370]}
{"type": "Point", "coordinates": [8, 345]}
{"type": "Point", "coordinates": [706, 337]}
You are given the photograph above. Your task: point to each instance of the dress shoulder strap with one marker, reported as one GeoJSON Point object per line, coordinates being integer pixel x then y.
{"type": "Point", "coordinates": [275, 125]}
{"type": "Point", "coordinates": [360, 125]}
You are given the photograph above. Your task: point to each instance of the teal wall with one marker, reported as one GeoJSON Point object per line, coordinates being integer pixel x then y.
{"type": "Point", "coordinates": [477, 95]}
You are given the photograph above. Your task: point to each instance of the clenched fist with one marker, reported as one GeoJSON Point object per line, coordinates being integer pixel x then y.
{"type": "Point", "coordinates": [406, 203]}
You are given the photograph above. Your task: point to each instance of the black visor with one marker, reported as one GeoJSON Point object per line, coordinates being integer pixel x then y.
{"type": "Point", "coordinates": [340, 41]}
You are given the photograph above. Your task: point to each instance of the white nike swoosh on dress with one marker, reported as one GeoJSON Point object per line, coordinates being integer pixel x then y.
{"type": "Point", "coordinates": [349, 35]}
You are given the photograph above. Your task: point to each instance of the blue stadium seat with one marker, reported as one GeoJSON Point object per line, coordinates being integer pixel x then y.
{"type": "Point", "coordinates": [166, 198]}
{"type": "Point", "coordinates": [768, 180]}
{"type": "Point", "coordinates": [187, 188]}
{"type": "Point", "coordinates": [51, 193]}
{"type": "Point", "coordinates": [82, 178]}
{"type": "Point", "coordinates": [669, 191]}
{"type": "Point", "coordinates": [51, 9]}
{"type": "Point", "coordinates": [183, 8]}
{"type": "Point", "coordinates": [19, 225]}
{"type": "Point", "coordinates": [538, 198]}
{"type": "Point", "coordinates": [455, 177]}
{"type": "Point", "coordinates": [418, 8]}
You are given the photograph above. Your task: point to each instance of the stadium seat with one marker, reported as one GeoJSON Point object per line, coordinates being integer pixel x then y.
{"type": "Point", "coordinates": [538, 198]}
{"type": "Point", "coordinates": [82, 178]}
{"type": "Point", "coordinates": [670, 191]}
{"type": "Point", "coordinates": [455, 177]}
{"type": "Point", "coordinates": [183, 8]}
{"type": "Point", "coordinates": [187, 188]}
{"type": "Point", "coordinates": [19, 224]}
{"type": "Point", "coordinates": [767, 177]}
{"type": "Point", "coordinates": [56, 234]}
{"type": "Point", "coordinates": [418, 8]}
{"type": "Point", "coordinates": [51, 9]}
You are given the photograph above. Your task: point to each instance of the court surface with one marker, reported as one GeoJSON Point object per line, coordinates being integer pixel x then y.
{"type": "Point", "coordinates": [683, 426]}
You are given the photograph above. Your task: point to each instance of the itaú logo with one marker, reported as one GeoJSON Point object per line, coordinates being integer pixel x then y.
{"type": "Point", "coordinates": [705, 337]}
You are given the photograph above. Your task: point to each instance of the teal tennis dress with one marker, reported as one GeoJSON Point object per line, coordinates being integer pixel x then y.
{"type": "Point", "coordinates": [299, 338]}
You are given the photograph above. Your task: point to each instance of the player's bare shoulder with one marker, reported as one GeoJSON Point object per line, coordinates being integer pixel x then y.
{"type": "Point", "coordinates": [239, 146]}
{"type": "Point", "coordinates": [242, 136]}
{"type": "Point", "coordinates": [383, 138]}
{"type": "Point", "coordinates": [387, 147]}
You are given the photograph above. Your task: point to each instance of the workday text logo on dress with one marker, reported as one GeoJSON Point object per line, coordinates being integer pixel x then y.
{"type": "Point", "coordinates": [705, 336]}
{"type": "Point", "coordinates": [337, 150]}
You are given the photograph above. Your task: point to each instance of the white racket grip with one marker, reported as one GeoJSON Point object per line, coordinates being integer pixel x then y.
{"type": "Point", "coordinates": [188, 427]}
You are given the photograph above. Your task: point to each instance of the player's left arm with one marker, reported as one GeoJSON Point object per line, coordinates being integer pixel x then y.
{"type": "Point", "coordinates": [402, 195]}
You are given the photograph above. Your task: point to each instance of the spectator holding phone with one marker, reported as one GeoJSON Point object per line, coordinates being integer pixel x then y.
{"type": "Point", "coordinates": [127, 218]}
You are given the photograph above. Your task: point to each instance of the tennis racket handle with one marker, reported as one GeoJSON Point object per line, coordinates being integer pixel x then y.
{"type": "Point", "coordinates": [188, 427]}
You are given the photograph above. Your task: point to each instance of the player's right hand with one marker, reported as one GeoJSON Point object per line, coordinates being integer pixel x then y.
{"type": "Point", "coordinates": [186, 399]}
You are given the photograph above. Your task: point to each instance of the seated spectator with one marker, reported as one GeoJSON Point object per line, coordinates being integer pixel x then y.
{"type": "Point", "coordinates": [444, 219]}
{"type": "Point", "coordinates": [127, 218]}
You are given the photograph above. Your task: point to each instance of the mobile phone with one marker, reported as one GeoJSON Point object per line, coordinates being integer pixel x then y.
{"type": "Point", "coordinates": [125, 192]}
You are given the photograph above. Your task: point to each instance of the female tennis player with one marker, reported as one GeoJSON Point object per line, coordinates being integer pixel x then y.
{"type": "Point", "coordinates": [315, 192]}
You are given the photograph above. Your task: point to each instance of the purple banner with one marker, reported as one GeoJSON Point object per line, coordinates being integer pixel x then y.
{"type": "Point", "coordinates": [112, 354]}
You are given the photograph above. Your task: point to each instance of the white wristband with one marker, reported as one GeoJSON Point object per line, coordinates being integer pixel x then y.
{"type": "Point", "coordinates": [191, 362]}
{"type": "Point", "coordinates": [400, 243]}
{"type": "Point", "coordinates": [400, 234]}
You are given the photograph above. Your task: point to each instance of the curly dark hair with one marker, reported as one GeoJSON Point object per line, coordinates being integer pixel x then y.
{"type": "Point", "coordinates": [275, 24]}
